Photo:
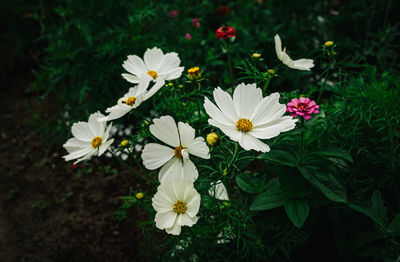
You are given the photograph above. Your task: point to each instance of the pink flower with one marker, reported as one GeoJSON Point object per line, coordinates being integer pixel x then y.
{"type": "Point", "coordinates": [173, 13]}
{"type": "Point", "coordinates": [302, 107]}
{"type": "Point", "coordinates": [188, 36]}
{"type": "Point", "coordinates": [196, 22]}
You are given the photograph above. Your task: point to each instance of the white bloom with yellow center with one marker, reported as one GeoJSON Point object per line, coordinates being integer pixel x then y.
{"type": "Point", "coordinates": [300, 64]}
{"type": "Point", "coordinates": [89, 138]}
{"type": "Point", "coordinates": [175, 161]}
{"type": "Point", "coordinates": [157, 67]}
{"type": "Point", "coordinates": [177, 203]}
{"type": "Point", "coordinates": [248, 117]}
{"type": "Point", "coordinates": [131, 100]}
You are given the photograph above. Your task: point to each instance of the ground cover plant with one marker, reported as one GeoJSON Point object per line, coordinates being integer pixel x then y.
{"type": "Point", "coordinates": [260, 134]}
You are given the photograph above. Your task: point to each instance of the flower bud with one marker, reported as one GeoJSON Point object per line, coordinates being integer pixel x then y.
{"type": "Point", "coordinates": [194, 73]}
{"type": "Point", "coordinates": [124, 143]}
{"type": "Point", "coordinates": [139, 195]}
{"type": "Point", "coordinates": [256, 56]}
{"type": "Point", "coordinates": [212, 139]}
{"type": "Point", "coordinates": [328, 43]}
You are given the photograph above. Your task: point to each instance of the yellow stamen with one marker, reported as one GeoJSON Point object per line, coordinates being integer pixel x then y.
{"type": "Point", "coordinates": [244, 125]}
{"type": "Point", "coordinates": [96, 142]}
{"type": "Point", "coordinates": [180, 207]}
{"type": "Point", "coordinates": [130, 101]}
{"type": "Point", "coordinates": [153, 74]}
{"type": "Point", "coordinates": [178, 151]}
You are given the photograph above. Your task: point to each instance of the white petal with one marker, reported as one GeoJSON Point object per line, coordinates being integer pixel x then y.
{"type": "Point", "coordinates": [164, 128]}
{"type": "Point", "coordinates": [165, 220]}
{"type": "Point", "coordinates": [162, 202]}
{"type": "Point", "coordinates": [230, 131]}
{"type": "Point", "coordinates": [303, 64]}
{"type": "Point", "coordinates": [95, 126]}
{"type": "Point", "coordinates": [268, 110]}
{"type": "Point", "coordinates": [135, 65]}
{"type": "Point", "coordinates": [274, 128]}
{"type": "Point", "coordinates": [78, 153]}
{"type": "Point", "coordinates": [174, 74]}
{"type": "Point", "coordinates": [116, 112]}
{"type": "Point", "coordinates": [199, 148]}
{"type": "Point", "coordinates": [245, 99]}
{"type": "Point", "coordinates": [173, 169]}
{"type": "Point", "coordinates": [193, 203]}
{"type": "Point", "coordinates": [186, 133]}
{"type": "Point", "coordinates": [131, 78]}
{"type": "Point", "coordinates": [189, 170]}
{"type": "Point", "coordinates": [152, 58]}
{"type": "Point", "coordinates": [214, 112]}
{"type": "Point", "coordinates": [155, 155]}
{"type": "Point", "coordinates": [186, 220]}
{"type": "Point", "coordinates": [218, 190]}
{"type": "Point", "coordinates": [249, 142]}
{"type": "Point", "coordinates": [75, 143]}
{"type": "Point", "coordinates": [175, 230]}
{"type": "Point", "coordinates": [169, 62]}
{"type": "Point", "coordinates": [104, 146]}
{"type": "Point", "coordinates": [225, 103]}
{"type": "Point", "coordinates": [87, 156]}
{"type": "Point", "coordinates": [278, 46]}
{"type": "Point", "coordinates": [81, 131]}
{"type": "Point", "coordinates": [157, 86]}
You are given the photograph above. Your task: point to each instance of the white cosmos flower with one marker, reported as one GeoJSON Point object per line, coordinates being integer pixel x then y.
{"type": "Point", "coordinates": [177, 204]}
{"type": "Point", "coordinates": [131, 100]}
{"type": "Point", "coordinates": [218, 190]}
{"type": "Point", "coordinates": [300, 64]}
{"type": "Point", "coordinates": [174, 161]}
{"type": "Point", "coordinates": [248, 117]}
{"type": "Point", "coordinates": [89, 138]}
{"type": "Point", "coordinates": [157, 67]}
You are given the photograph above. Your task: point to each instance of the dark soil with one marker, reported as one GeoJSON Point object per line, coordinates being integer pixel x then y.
{"type": "Point", "coordinates": [47, 211]}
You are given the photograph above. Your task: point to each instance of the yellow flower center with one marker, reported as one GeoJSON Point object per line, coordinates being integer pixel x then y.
{"type": "Point", "coordinates": [96, 142]}
{"type": "Point", "coordinates": [153, 74]}
{"type": "Point", "coordinates": [180, 207]}
{"type": "Point", "coordinates": [178, 151]}
{"type": "Point", "coordinates": [244, 125]}
{"type": "Point", "coordinates": [130, 101]}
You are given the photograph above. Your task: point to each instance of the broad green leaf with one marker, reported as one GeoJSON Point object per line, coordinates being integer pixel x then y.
{"type": "Point", "coordinates": [249, 183]}
{"type": "Point", "coordinates": [297, 210]}
{"type": "Point", "coordinates": [368, 212]}
{"type": "Point", "coordinates": [325, 182]}
{"type": "Point", "coordinates": [270, 198]}
{"type": "Point", "coordinates": [394, 226]}
{"type": "Point", "coordinates": [336, 153]}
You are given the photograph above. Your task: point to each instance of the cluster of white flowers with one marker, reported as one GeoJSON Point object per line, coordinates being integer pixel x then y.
{"type": "Point", "coordinates": [245, 118]}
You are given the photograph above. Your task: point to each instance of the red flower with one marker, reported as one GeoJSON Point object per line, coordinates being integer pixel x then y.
{"type": "Point", "coordinates": [224, 32]}
{"type": "Point", "coordinates": [303, 107]}
{"type": "Point", "coordinates": [223, 10]}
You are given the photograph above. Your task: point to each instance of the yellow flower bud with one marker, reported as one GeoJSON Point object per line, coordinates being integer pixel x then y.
{"type": "Point", "coordinates": [328, 43]}
{"type": "Point", "coordinates": [194, 73]}
{"type": "Point", "coordinates": [212, 139]}
{"type": "Point", "coordinates": [124, 143]}
{"type": "Point", "coordinates": [256, 55]}
{"type": "Point", "coordinates": [139, 195]}
{"type": "Point", "coordinates": [271, 71]}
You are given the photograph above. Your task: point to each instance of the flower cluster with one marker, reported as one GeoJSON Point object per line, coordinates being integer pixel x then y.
{"type": "Point", "coordinates": [246, 117]}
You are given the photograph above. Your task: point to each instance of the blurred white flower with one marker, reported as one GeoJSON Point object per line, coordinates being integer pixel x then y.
{"type": "Point", "coordinates": [248, 117]}
{"type": "Point", "coordinates": [89, 138]}
{"type": "Point", "coordinates": [174, 161]}
{"type": "Point", "coordinates": [218, 190]}
{"type": "Point", "coordinates": [300, 64]}
{"type": "Point", "coordinates": [157, 67]}
{"type": "Point", "coordinates": [177, 204]}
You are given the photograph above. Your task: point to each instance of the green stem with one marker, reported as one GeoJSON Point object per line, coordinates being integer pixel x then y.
{"type": "Point", "coordinates": [199, 101]}
{"type": "Point", "coordinates": [230, 69]}
{"type": "Point", "coordinates": [266, 84]}
{"type": "Point", "coordinates": [130, 168]}
{"type": "Point", "coordinates": [235, 154]}
{"type": "Point", "coordinates": [301, 140]}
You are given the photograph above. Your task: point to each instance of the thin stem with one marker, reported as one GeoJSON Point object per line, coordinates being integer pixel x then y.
{"type": "Point", "coordinates": [199, 101]}
{"type": "Point", "coordinates": [130, 168]}
{"type": "Point", "coordinates": [266, 84]}
{"type": "Point", "coordinates": [301, 140]}
{"type": "Point", "coordinates": [235, 154]}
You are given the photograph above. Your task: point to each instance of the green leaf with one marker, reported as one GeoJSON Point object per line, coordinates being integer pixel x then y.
{"type": "Point", "coordinates": [378, 206]}
{"type": "Point", "coordinates": [368, 212]}
{"type": "Point", "coordinates": [394, 227]}
{"type": "Point", "coordinates": [279, 157]}
{"type": "Point", "coordinates": [270, 198]}
{"type": "Point", "coordinates": [249, 183]}
{"type": "Point", "coordinates": [336, 153]}
{"type": "Point", "coordinates": [326, 182]}
{"type": "Point", "coordinates": [297, 210]}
